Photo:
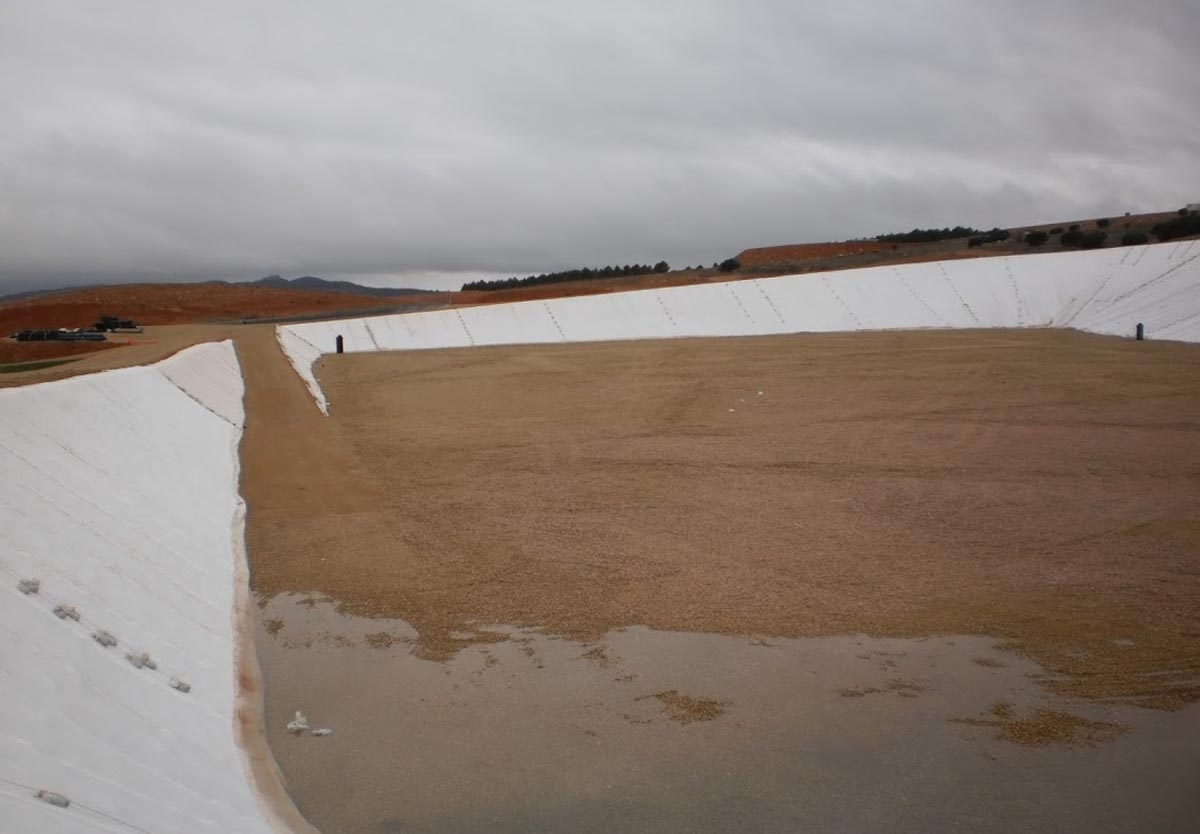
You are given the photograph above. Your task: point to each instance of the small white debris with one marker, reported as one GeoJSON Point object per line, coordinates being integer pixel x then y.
{"type": "Point", "coordinates": [104, 638]}
{"type": "Point", "coordinates": [141, 660]}
{"type": "Point", "coordinates": [760, 393]}
{"type": "Point", "coordinates": [29, 586]}
{"type": "Point", "coordinates": [323, 731]}
{"type": "Point", "coordinates": [732, 410]}
{"type": "Point", "coordinates": [53, 798]}
{"type": "Point", "coordinates": [176, 683]}
{"type": "Point", "coordinates": [298, 724]}
{"type": "Point", "coordinates": [66, 612]}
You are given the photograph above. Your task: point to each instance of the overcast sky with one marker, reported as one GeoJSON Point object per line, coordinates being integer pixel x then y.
{"type": "Point", "coordinates": [388, 141]}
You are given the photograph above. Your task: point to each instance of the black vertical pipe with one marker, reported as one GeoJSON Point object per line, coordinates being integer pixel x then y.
{"type": "Point", "coordinates": [341, 345]}
{"type": "Point", "coordinates": [1141, 332]}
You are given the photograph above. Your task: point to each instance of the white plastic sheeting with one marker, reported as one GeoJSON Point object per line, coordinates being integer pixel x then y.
{"type": "Point", "coordinates": [119, 492]}
{"type": "Point", "coordinates": [1104, 291]}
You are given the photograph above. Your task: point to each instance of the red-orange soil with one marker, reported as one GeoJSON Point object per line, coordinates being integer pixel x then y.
{"type": "Point", "coordinates": [149, 304]}
{"type": "Point", "coordinates": [799, 252]}
{"type": "Point", "coordinates": [172, 304]}
{"type": "Point", "coordinates": [11, 351]}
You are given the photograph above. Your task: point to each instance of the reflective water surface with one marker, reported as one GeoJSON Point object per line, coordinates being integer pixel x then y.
{"type": "Point", "coordinates": [649, 731]}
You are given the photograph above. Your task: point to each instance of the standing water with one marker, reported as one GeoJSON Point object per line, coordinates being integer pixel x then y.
{"type": "Point", "coordinates": [650, 731]}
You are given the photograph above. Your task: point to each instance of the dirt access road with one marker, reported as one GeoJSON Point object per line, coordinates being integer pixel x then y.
{"type": "Point", "coordinates": [1037, 486]}
{"type": "Point", "coordinates": [155, 344]}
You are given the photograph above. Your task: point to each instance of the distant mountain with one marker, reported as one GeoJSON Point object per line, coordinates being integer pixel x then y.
{"type": "Point", "coordinates": [312, 282]}
{"type": "Point", "coordinates": [308, 282]}
{"type": "Point", "coordinates": [22, 296]}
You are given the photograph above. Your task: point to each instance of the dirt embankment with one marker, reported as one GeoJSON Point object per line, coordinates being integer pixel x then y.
{"type": "Point", "coordinates": [769, 256]}
{"type": "Point", "coordinates": [596, 286]}
{"type": "Point", "coordinates": [853, 254]}
{"type": "Point", "coordinates": [157, 305]}
{"type": "Point", "coordinates": [12, 351]}
{"type": "Point", "coordinates": [128, 349]}
{"type": "Point", "coordinates": [163, 304]}
{"type": "Point", "coordinates": [151, 304]}
{"type": "Point", "coordinates": [766, 261]}
{"type": "Point", "coordinates": [1037, 486]}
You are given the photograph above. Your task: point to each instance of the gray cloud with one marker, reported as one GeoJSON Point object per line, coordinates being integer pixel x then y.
{"type": "Point", "coordinates": [393, 139]}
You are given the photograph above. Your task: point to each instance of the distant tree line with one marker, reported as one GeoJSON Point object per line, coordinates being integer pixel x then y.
{"type": "Point", "coordinates": [1181, 226]}
{"type": "Point", "coordinates": [994, 236]}
{"type": "Point", "coordinates": [1075, 236]}
{"type": "Point", "coordinates": [585, 274]}
{"type": "Point", "coordinates": [928, 235]}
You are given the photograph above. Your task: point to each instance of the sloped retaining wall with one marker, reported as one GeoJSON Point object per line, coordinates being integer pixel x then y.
{"type": "Point", "coordinates": [1104, 291]}
{"type": "Point", "coordinates": [119, 496]}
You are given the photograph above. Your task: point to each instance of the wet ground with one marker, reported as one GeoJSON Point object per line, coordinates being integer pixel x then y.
{"type": "Point", "coordinates": [652, 731]}
{"type": "Point", "coordinates": [1037, 485]}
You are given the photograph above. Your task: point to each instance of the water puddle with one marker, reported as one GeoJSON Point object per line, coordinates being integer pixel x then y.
{"type": "Point", "coordinates": [651, 731]}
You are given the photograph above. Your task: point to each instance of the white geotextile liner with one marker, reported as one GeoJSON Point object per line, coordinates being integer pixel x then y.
{"type": "Point", "coordinates": [120, 494]}
{"type": "Point", "coordinates": [1103, 291]}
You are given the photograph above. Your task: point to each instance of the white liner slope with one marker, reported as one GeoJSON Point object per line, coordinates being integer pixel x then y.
{"type": "Point", "coordinates": [1104, 291]}
{"type": "Point", "coordinates": [119, 491]}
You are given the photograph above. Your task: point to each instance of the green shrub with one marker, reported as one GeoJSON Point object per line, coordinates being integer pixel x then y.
{"type": "Point", "coordinates": [1036, 238]}
{"type": "Point", "coordinates": [1181, 226]}
{"type": "Point", "coordinates": [928, 235]}
{"type": "Point", "coordinates": [1134, 239]}
{"type": "Point", "coordinates": [1072, 237]}
{"type": "Point", "coordinates": [584, 274]}
{"type": "Point", "coordinates": [1057, 230]}
{"type": "Point", "coordinates": [1103, 223]}
{"type": "Point", "coordinates": [994, 236]}
{"type": "Point", "coordinates": [1093, 240]}
{"type": "Point", "coordinates": [729, 265]}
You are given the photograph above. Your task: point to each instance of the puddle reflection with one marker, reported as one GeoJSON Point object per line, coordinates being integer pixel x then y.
{"type": "Point", "coordinates": [664, 732]}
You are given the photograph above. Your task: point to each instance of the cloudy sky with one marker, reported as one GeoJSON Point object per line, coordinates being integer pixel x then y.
{"type": "Point", "coordinates": [393, 141]}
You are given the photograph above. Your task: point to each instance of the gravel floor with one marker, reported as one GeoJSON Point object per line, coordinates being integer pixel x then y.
{"type": "Point", "coordinates": [1040, 486]}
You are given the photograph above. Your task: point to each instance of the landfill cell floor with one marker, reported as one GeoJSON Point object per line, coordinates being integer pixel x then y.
{"type": "Point", "coordinates": [559, 571]}
{"type": "Point", "coordinates": [1039, 486]}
